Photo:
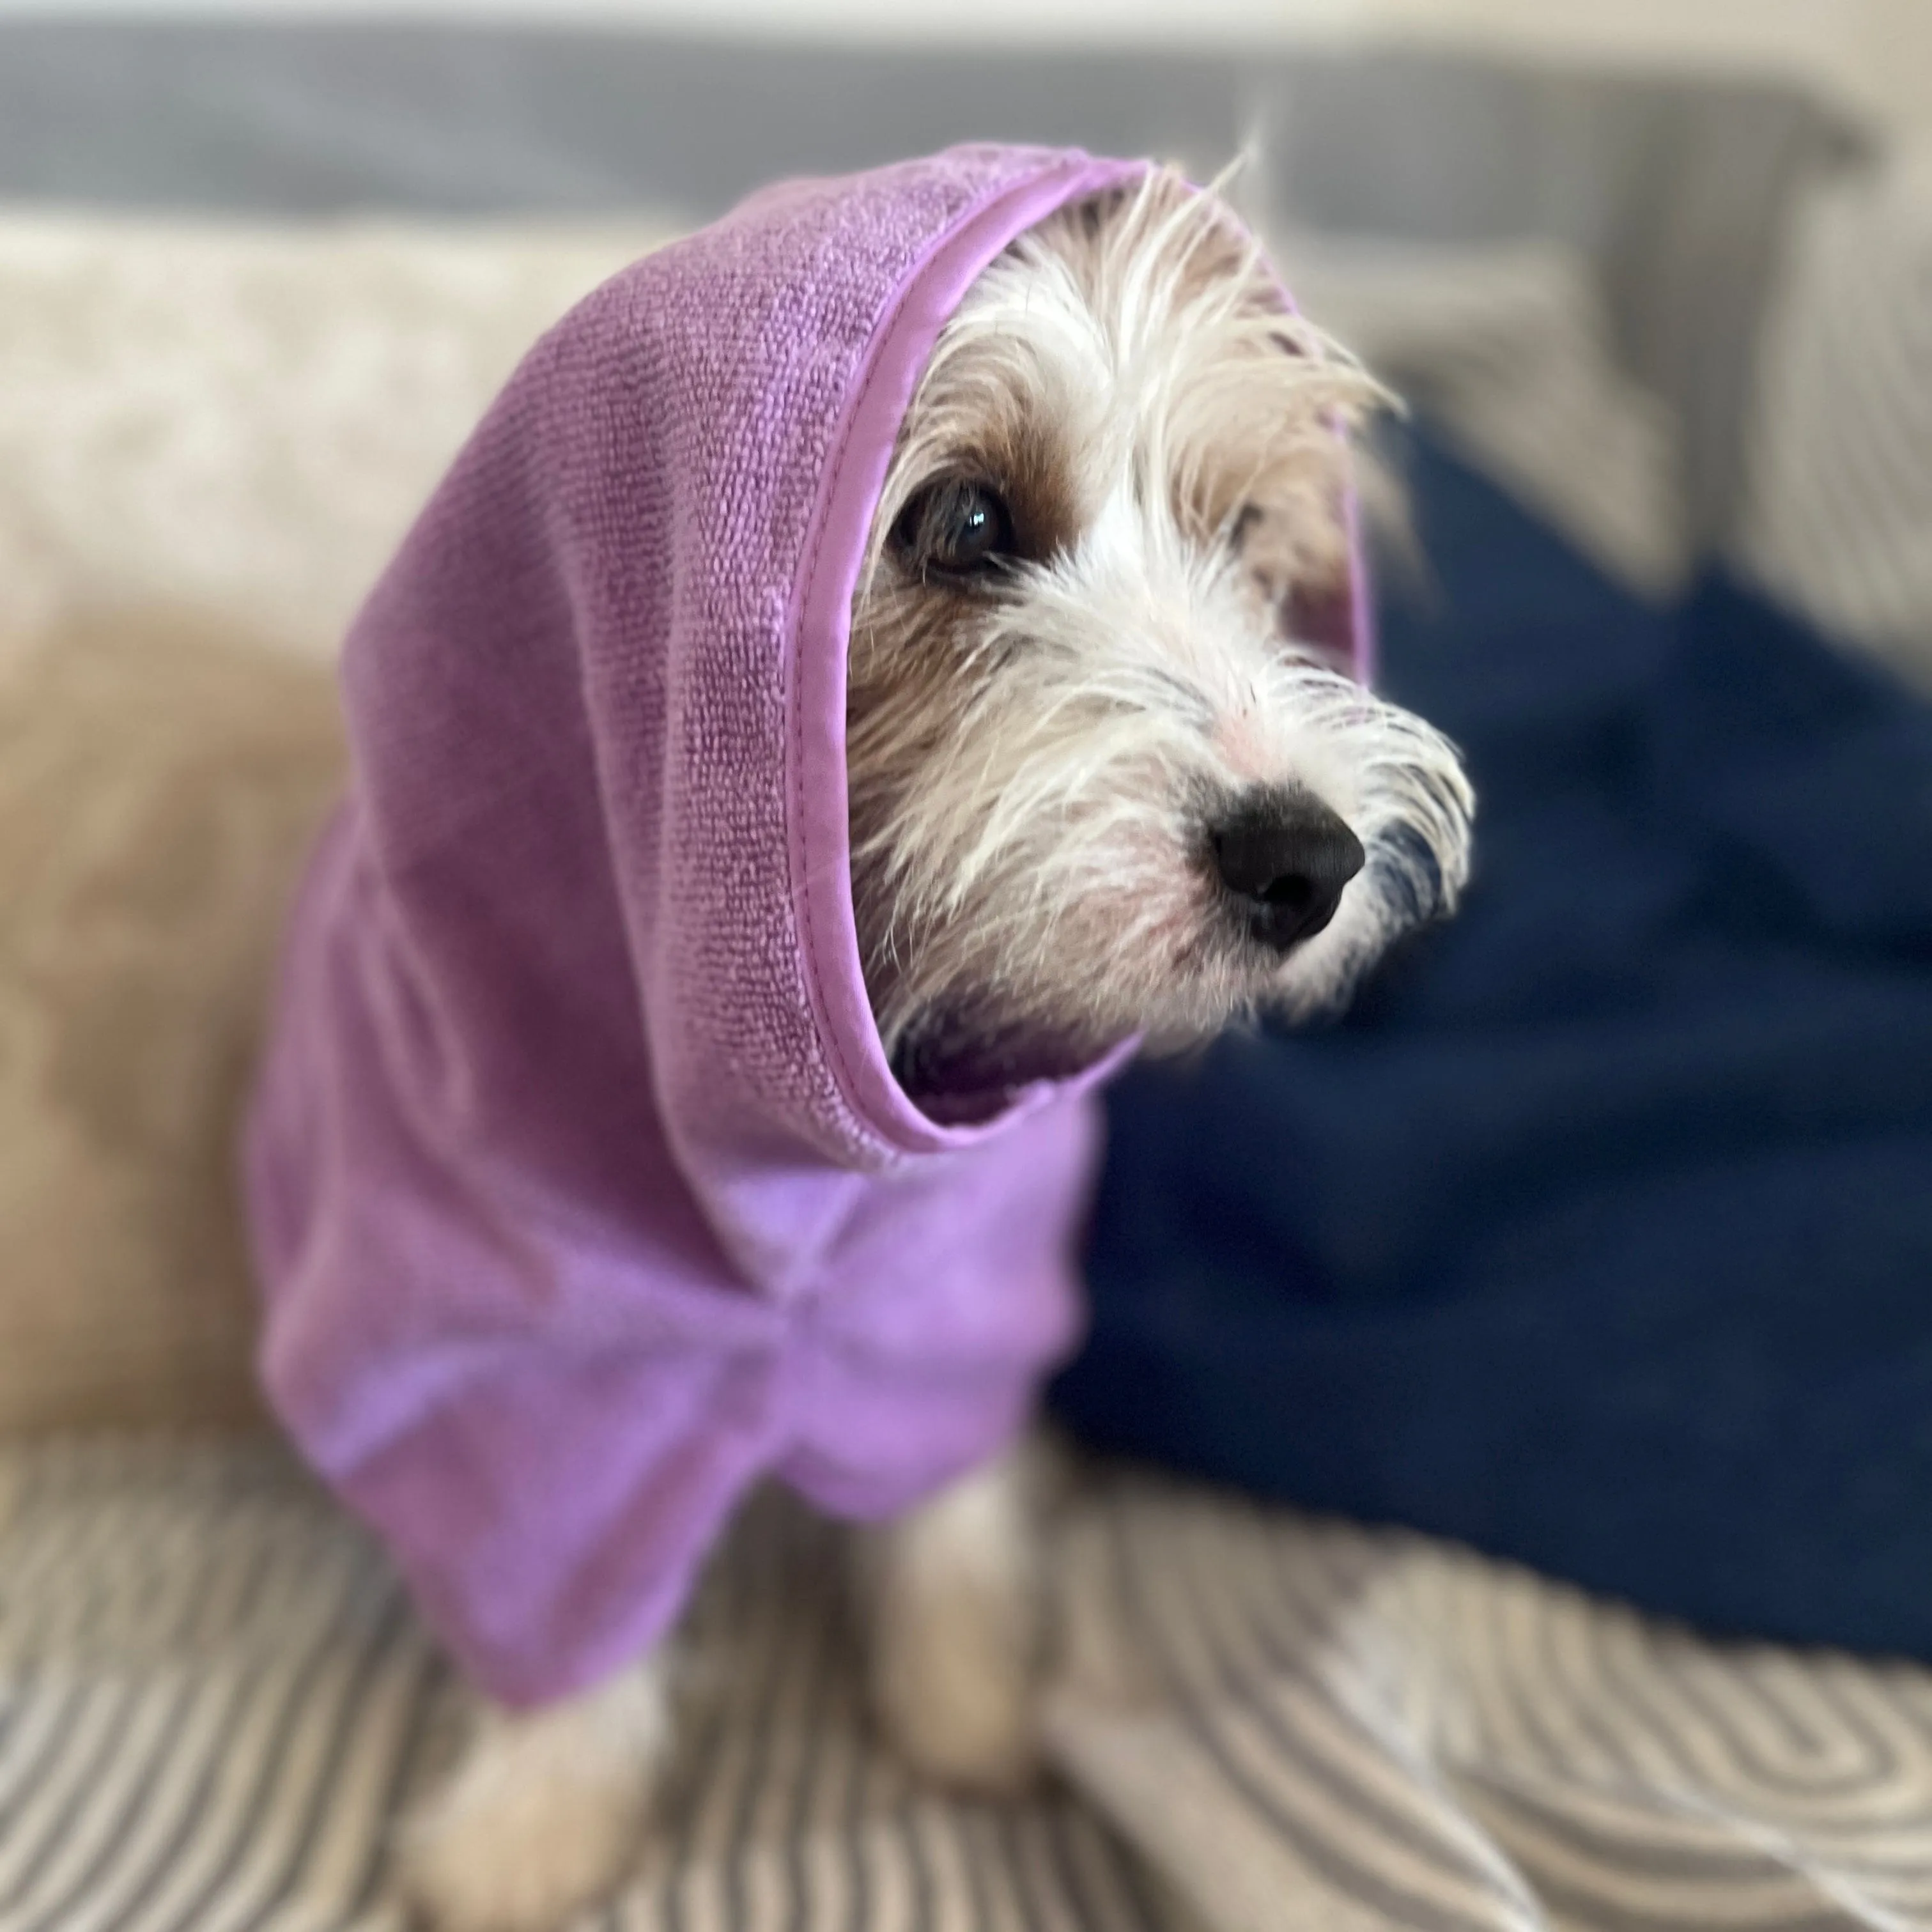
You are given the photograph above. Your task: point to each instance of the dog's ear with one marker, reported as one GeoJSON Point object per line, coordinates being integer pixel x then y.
{"type": "Point", "coordinates": [1310, 588]}
{"type": "Point", "coordinates": [1296, 553]}
{"type": "Point", "coordinates": [1384, 507]}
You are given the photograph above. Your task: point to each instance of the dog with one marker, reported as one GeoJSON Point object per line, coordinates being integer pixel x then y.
{"type": "Point", "coordinates": [1101, 785]}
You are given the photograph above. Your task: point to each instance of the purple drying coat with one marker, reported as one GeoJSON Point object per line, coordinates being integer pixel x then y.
{"type": "Point", "coordinates": [583, 1195]}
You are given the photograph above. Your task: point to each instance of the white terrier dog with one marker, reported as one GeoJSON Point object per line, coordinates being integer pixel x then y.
{"type": "Point", "coordinates": [1099, 787]}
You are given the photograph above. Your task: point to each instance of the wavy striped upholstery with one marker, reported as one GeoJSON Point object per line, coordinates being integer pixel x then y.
{"type": "Point", "coordinates": [1837, 500]}
{"type": "Point", "coordinates": [212, 1699]}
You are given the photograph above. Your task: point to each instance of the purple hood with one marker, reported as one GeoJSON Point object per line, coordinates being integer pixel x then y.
{"type": "Point", "coordinates": [582, 1194]}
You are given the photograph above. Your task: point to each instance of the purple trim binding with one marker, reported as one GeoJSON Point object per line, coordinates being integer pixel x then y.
{"type": "Point", "coordinates": [821, 839]}
{"type": "Point", "coordinates": [820, 842]}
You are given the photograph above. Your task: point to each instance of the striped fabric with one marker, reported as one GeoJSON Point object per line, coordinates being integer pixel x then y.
{"type": "Point", "coordinates": [1837, 502]}
{"type": "Point", "coordinates": [213, 1700]}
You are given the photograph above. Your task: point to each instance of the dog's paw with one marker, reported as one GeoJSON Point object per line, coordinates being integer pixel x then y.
{"type": "Point", "coordinates": [955, 1639]}
{"type": "Point", "coordinates": [541, 1818]}
{"type": "Point", "coordinates": [956, 1703]}
{"type": "Point", "coordinates": [528, 1862]}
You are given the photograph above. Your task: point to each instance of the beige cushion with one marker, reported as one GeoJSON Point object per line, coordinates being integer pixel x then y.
{"type": "Point", "coordinates": [156, 786]}
{"type": "Point", "coordinates": [211, 436]}
{"type": "Point", "coordinates": [244, 418]}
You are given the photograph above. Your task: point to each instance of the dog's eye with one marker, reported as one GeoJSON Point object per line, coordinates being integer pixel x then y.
{"type": "Point", "coordinates": [955, 526]}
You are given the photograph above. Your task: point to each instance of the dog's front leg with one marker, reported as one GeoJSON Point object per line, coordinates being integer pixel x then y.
{"type": "Point", "coordinates": [542, 1813]}
{"type": "Point", "coordinates": [955, 1594]}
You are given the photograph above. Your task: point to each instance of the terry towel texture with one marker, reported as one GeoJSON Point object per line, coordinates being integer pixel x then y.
{"type": "Point", "coordinates": [583, 1195]}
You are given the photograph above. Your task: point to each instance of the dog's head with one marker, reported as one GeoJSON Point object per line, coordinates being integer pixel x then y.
{"type": "Point", "coordinates": [1099, 785]}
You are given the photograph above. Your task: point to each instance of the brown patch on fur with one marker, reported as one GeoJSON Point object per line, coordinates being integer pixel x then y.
{"type": "Point", "coordinates": [1022, 460]}
{"type": "Point", "coordinates": [1297, 569]}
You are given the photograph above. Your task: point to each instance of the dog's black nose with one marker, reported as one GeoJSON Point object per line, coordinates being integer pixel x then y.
{"type": "Point", "coordinates": [1286, 857]}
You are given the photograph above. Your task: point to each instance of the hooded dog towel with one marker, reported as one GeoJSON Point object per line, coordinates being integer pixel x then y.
{"type": "Point", "coordinates": [582, 1194]}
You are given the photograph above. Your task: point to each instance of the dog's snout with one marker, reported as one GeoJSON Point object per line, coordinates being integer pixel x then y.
{"type": "Point", "coordinates": [1286, 857]}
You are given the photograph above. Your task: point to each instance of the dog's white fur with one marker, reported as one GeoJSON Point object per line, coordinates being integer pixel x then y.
{"type": "Point", "coordinates": [1029, 817]}
{"type": "Point", "coordinates": [955, 1618]}
{"type": "Point", "coordinates": [1032, 765]}
{"type": "Point", "coordinates": [544, 1810]}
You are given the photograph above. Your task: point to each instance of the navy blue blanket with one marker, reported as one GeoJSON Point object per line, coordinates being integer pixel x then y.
{"type": "Point", "coordinates": [1599, 1234]}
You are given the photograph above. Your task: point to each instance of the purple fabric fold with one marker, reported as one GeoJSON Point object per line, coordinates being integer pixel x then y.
{"type": "Point", "coordinates": [583, 1195]}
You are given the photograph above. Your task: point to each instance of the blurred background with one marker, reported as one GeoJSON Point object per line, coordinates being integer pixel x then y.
{"type": "Point", "coordinates": [1879, 51]}
{"type": "Point", "coordinates": [1653, 279]}
{"type": "Point", "coordinates": [1598, 1237]}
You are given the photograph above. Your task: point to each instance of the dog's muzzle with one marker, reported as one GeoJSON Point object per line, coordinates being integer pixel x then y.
{"type": "Point", "coordinates": [1283, 858]}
